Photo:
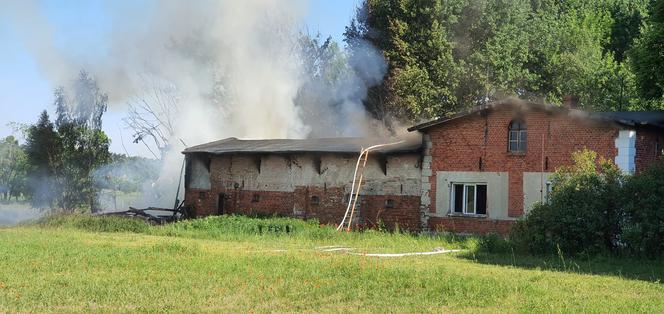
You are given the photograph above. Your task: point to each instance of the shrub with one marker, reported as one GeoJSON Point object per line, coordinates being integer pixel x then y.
{"type": "Point", "coordinates": [643, 230]}
{"type": "Point", "coordinates": [583, 213]}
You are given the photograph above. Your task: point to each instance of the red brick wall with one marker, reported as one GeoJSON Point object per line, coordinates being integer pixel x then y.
{"type": "Point", "coordinates": [458, 146]}
{"type": "Point", "coordinates": [329, 210]}
{"type": "Point", "coordinates": [649, 145]}
{"type": "Point", "coordinates": [470, 225]}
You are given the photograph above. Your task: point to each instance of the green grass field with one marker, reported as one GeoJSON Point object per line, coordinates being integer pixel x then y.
{"type": "Point", "coordinates": [80, 264]}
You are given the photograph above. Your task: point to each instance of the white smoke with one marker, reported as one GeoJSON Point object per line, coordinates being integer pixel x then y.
{"type": "Point", "coordinates": [234, 65]}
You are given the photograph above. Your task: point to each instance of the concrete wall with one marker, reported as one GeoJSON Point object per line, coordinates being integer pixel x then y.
{"type": "Point", "coordinates": [497, 191]}
{"type": "Point", "coordinates": [534, 188]}
{"type": "Point", "coordinates": [287, 185]}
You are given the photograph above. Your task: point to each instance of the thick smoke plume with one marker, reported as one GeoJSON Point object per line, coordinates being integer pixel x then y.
{"type": "Point", "coordinates": [228, 68]}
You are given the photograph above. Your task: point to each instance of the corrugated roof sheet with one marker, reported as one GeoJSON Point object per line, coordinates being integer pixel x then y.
{"type": "Point", "coordinates": [319, 145]}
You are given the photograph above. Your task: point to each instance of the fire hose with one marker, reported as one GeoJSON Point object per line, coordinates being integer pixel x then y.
{"type": "Point", "coordinates": [354, 193]}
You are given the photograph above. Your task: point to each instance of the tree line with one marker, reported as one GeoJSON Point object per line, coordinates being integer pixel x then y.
{"type": "Point", "coordinates": [448, 55]}
{"type": "Point", "coordinates": [65, 162]}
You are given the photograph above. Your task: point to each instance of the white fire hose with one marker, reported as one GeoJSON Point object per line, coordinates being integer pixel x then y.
{"type": "Point", "coordinates": [353, 193]}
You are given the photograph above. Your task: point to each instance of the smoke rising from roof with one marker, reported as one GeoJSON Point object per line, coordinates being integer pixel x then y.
{"type": "Point", "coordinates": [230, 68]}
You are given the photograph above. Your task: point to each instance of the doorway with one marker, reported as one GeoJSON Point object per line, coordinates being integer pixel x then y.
{"type": "Point", "coordinates": [220, 204]}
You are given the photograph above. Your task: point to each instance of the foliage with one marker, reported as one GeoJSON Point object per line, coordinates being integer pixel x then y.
{"type": "Point", "coordinates": [83, 150]}
{"type": "Point", "coordinates": [445, 55]}
{"type": "Point", "coordinates": [647, 58]}
{"type": "Point", "coordinates": [583, 213]}
{"type": "Point", "coordinates": [13, 167]}
{"type": "Point", "coordinates": [643, 228]}
{"type": "Point", "coordinates": [62, 157]}
{"type": "Point", "coordinates": [87, 105]}
{"type": "Point", "coordinates": [43, 148]}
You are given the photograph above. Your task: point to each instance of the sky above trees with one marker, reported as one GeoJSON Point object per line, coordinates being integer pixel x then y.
{"type": "Point", "coordinates": [79, 29]}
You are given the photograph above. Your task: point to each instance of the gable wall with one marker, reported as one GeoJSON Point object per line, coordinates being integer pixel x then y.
{"type": "Point", "coordinates": [458, 145]}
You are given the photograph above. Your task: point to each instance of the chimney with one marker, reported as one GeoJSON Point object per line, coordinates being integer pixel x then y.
{"type": "Point", "coordinates": [570, 101]}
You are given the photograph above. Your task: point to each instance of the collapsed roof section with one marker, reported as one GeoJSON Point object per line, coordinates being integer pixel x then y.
{"type": "Point", "coordinates": [629, 118]}
{"type": "Point", "coordinates": [349, 145]}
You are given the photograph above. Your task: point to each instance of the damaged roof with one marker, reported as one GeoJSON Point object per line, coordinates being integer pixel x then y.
{"type": "Point", "coordinates": [350, 145]}
{"type": "Point", "coordinates": [630, 118]}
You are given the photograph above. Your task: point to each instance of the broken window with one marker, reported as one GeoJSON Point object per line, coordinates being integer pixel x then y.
{"type": "Point", "coordinates": [518, 137]}
{"type": "Point", "coordinates": [469, 198]}
{"type": "Point", "coordinates": [315, 200]}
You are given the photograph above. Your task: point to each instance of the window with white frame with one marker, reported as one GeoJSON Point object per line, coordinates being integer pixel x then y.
{"type": "Point", "coordinates": [469, 198]}
{"type": "Point", "coordinates": [547, 191]}
{"type": "Point", "coordinates": [518, 137]}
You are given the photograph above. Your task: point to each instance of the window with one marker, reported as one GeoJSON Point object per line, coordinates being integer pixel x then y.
{"type": "Point", "coordinates": [255, 198]}
{"type": "Point", "coordinates": [202, 195]}
{"type": "Point", "coordinates": [469, 198]}
{"type": "Point", "coordinates": [315, 200]}
{"type": "Point", "coordinates": [389, 203]}
{"type": "Point", "coordinates": [518, 137]}
{"type": "Point", "coordinates": [547, 192]}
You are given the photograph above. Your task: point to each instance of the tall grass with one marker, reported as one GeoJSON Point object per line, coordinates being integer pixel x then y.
{"type": "Point", "coordinates": [285, 231]}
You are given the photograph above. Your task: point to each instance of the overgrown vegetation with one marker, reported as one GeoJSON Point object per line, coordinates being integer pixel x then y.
{"type": "Point", "coordinates": [594, 209]}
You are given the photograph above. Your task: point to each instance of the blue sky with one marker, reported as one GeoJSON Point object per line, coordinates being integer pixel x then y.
{"type": "Point", "coordinates": [79, 30]}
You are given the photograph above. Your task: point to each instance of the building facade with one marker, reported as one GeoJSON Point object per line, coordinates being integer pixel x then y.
{"type": "Point", "coordinates": [475, 172]}
{"type": "Point", "coordinates": [485, 168]}
{"type": "Point", "coordinates": [305, 179]}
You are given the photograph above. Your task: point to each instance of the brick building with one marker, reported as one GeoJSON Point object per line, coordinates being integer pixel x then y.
{"type": "Point", "coordinates": [308, 178]}
{"type": "Point", "coordinates": [486, 167]}
{"type": "Point", "coordinates": [475, 172]}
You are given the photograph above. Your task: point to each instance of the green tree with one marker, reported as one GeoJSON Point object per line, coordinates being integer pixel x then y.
{"type": "Point", "coordinates": [647, 57]}
{"type": "Point", "coordinates": [83, 150]}
{"type": "Point", "coordinates": [43, 148]}
{"type": "Point", "coordinates": [13, 166]}
{"type": "Point", "coordinates": [446, 55]}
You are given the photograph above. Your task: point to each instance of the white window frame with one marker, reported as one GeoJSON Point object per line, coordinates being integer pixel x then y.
{"type": "Point", "coordinates": [548, 187]}
{"type": "Point", "coordinates": [465, 197]}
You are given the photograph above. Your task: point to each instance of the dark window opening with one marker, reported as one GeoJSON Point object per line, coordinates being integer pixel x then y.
{"type": "Point", "coordinates": [202, 195]}
{"type": "Point", "coordinates": [458, 198]}
{"type": "Point", "coordinates": [481, 199]}
{"type": "Point", "coordinates": [518, 137]}
{"type": "Point", "coordinates": [315, 200]}
{"type": "Point", "coordinates": [255, 198]}
{"type": "Point", "coordinates": [389, 203]}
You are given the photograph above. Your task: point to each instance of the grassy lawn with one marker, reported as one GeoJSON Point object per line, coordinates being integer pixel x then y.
{"type": "Point", "coordinates": [184, 268]}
